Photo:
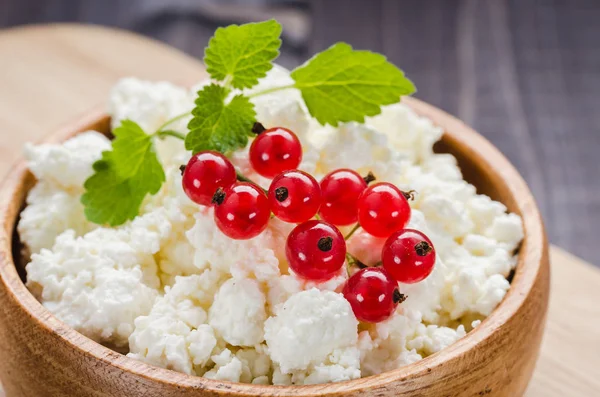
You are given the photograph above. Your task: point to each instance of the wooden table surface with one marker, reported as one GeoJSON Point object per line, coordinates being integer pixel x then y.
{"type": "Point", "coordinates": [56, 73]}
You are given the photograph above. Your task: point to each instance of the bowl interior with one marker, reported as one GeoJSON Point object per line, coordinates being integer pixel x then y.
{"type": "Point", "coordinates": [489, 172]}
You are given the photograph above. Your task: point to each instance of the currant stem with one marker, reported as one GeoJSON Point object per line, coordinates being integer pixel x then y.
{"type": "Point", "coordinates": [270, 90]}
{"type": "Point", "coordinates": [175, 134]}
{"type": "Point", "coordinates": [243, 178]}
{"type": "Point", "coordinates": [257, 128]}
{"type": "Point", "coordinates": [351, 261]}
{"type": "Point", "coordinates": [369, 178]}
{"type": "Point", "coordinates": [348, 266]}
{"type": "Point", "coordinates": [351, 232]}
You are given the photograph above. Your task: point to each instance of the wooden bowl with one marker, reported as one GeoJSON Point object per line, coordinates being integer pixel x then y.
{"type": "Point", "coordinates": [41, 356]}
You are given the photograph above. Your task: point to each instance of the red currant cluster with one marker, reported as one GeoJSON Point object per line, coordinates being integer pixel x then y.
{"type": "Point", "coordinates": [315, 248]}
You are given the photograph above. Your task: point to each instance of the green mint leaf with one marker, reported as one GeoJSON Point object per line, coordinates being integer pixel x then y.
{"type": "Point", "coordinates": [243, 53]}
{"type": "Point", "coordinates": [217, 125]}
{"type": "Point", "coordinates": [122, 177]}
{"type": "Point", "coordinates": [109, 199]}
{"type": "Point", "coordinates": [131, 149]}
{"type": "Point", "coordinates": [341, 84]}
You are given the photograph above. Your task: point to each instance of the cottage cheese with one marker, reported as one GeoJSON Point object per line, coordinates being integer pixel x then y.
{"type": "Point", "coordinates": [174, 334]}
{"type": "Point", "coordinates": [178, 294]}
{"type": "Point", "coordinates": [257, 258]}
{"type": "Point", "coordinates": [53, 205]}
{"type": "Point", "coordinates": [310, 326]}
{"type": "Point", "coordinates": [67, 165]}
{"type": "Point", "coordinates": [49, 212]}
{"type": "Point", "coordinates": [101, 282]}
{"type": "Point", "coordinates": [238, 312]}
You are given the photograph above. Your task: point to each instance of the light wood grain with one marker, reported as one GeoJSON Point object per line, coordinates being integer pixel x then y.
{"type": "Point", "coordinates": [58, 72]}
{"type": "Point", "coordinates": [572, 354]}
{"type": "Point", "coordinates": [570, 357]}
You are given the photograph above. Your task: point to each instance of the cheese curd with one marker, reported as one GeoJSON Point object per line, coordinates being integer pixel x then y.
{"type": "Point", "coordinates": [238, 312]}
{"type": "Point", "coordinates": [67, 166]}
{"type": "Point", "coordinates": [308, 328]}
{"type": "Point", "coordinates": [101, 282]}
{"type": "Point", "coordinates": [174, 292]}
{"type": "Point", "coordinates": [257, 258]}
{"type": "Point", "coordinates": [174, 334]}
{"type": "Point", "coordinates": [53, 205]}
{"type": "Point", "coordinates": [48, 213]}
{"type": "Point", "coordinates": [361, 148]}
{"type": "Point", "coordinates": [148, 103]}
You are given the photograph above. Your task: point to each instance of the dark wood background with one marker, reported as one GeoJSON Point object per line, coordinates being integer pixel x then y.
{"type": "Point", "coordinates": [526, 74]}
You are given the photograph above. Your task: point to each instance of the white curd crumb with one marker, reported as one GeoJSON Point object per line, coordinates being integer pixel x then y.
{"type": "Point", "coordinates": [69, 164]}
{"type": "Point", "coordinates": [507, 229]}
{"type": "Point", "coordinates": [238, 312]}
{"type": "Point", "coordinates": [383, 347]}
{"type": "Point", "coordinates": [149, 104]}
{"type": "Point", "coordinates": [246, 366]}
{"type": "Point", "coordinates": [361, 148]}
{"type": "Point", "coordinates": [335, 283]}
{"type": "Point", "coordinates": [256, 364]}
{"type": "Point", "coordinates": [48, 213]}
{"type": "Point", "coordinates": [176, 257]}
{"type": "Point", "coordinates": [409, 134]}
{"type": "Point", "coordinates": [340, 365]}
{"type": "Point", "coordinates": [101, 282]}
{"type": "Point", "coordinates": [280, 289]}
{"type": "Point", "coordinates": [308, 328]}
{"type": "Point", "coordinates": [446, 215]}
{"type": "Point", "coordinates": [54, 205]}
{"type": "Point", "coordinates": [97, 284]}
{"type": "Point", "coordinates": [174, 334]}
{"type": "Point", "coordinates": [431, 339]}
{"type": "Point", "coordinates": [227, 367]}
{"type": "Point", "coordinates": [254, 258]}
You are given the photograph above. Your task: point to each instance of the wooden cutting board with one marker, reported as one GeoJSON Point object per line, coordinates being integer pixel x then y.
{"type": "Point", "coordinates": [53, 73]}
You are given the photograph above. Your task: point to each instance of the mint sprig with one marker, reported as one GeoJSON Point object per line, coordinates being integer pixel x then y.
{"type": "Point", "coordinates": [338, 85]}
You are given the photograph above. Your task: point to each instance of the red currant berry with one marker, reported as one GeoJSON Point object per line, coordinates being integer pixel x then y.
{"type": "Point", "coordinates": [315, 250]}
{"type": "Point", "coordinates": [383, 209]}
{"type": "Point", "coordinates": [241, 211]}
{"type": "Point", "coordinates": [204, 174]}
{"type": "Point", "coordinates": [373, 294]}
{"type": "Point", "coordinates": [294, 196]}
{"type": "Point", "coordinates": [408, 255]}
{"type": "Point", "coordinates": [340, 190]}
{"type": "Point", "coordinates": [275, 150]}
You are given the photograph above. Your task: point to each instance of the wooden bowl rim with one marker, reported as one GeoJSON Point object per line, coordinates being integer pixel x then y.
{"type": "Point", "coordinates": [529, 265]}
